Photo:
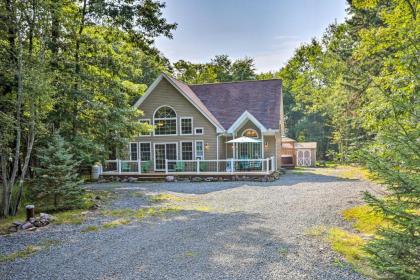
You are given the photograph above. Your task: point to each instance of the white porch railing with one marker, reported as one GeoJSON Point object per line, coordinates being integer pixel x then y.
{"type": "Point", "coordinates": [220, 167]}
{"type": "Point", "coordinates": [191, 167]}
{"type": "Point", "coordinates": [118, 166]}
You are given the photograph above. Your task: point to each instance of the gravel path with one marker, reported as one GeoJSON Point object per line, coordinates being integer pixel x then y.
{"type": "Point", "coordinates": [252, 231]}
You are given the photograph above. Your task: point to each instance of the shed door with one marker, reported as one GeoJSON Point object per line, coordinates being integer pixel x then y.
{"type": "Point", "coordinates": [304, 158]}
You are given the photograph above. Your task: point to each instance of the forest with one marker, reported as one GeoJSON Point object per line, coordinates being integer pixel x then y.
{"type": "Point", "coordinates": [71, 70]}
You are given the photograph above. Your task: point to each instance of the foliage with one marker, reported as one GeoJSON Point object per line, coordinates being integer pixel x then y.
{"type": "Point", "coordinates": [219, 69]}
{"type": "Point", "coordinates": [56, 185]}
{"type": "Point", "coordinates": [76, 66]}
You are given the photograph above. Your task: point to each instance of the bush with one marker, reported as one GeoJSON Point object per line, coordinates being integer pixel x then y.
{"type": "Point", "coordinates": [56, 185]}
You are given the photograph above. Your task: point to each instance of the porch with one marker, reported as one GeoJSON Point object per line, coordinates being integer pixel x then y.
{"type": "Point", "coordinates": [136, 168]}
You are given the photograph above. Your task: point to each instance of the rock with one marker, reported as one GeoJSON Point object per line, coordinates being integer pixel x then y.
{"type": "Point", "coordinates": [17, 223]}
{"type": "Point", "coordinates": [132, 179]}
{"type": "Point", "coordinates": [32, 220]}
{"type": "Point", "coordinates": [27, 225]}
{"type": "Point", "coordinates": [170, 178]}
{"type": "Point", "coordinates": [98, 197]}
{"type": "Point", "coordinates": [196, 179]}
{"type": "Point", "coordinates": [44, 216]}
{"type": "Point", "coordinates": [38, 223]}
{"type": "Point", "coordinates": [13, 228]}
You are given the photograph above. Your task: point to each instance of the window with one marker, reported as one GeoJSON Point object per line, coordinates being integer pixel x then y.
{"type": "Point", "coordinates": [133, 151]}
{"type": "Point", "coordinates": [187, 150]}
{"type": "Point", "coordinates": [145, 152]}
{"type": "Point", "coordinates": [251, 133]}
{"type": "Point", "coordinates": [199, 149]}
{"type": "Point", "coordinates": [145, 133]}
{"type": "Point", "coordinates": [186, 126]}
{"type": "Point", "coordinates": [199, 131]}
{"type": "Point", "coordinates": [165, 121]}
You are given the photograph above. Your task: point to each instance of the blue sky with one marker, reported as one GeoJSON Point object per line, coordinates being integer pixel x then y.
{"type": "Point", "coordinates": [266, 30]}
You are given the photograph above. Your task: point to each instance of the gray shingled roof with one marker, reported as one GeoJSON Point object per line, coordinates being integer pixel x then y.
{"type": "Point", "coordinates": [193, 97]}
{"type": "Point", "coordinates": [227, 101]}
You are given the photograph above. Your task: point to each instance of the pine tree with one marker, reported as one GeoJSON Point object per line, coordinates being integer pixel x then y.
{"type": "Point", "coordinates": [396, 250]}
{"type": "Point", "coordinates": [56, 185]}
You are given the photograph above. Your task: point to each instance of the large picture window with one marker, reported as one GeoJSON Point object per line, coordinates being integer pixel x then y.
{"type": "Point", "coordinates": [187, 150]}
{"type": "Point", "coordinates": [186, 126]}
{"type": "Point", "coordinates": [165, 121]}
{"type": "Point", "coordinates": [145, 151]}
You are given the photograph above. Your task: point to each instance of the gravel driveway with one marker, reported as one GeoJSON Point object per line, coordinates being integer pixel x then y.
{"type": "Point", "coordinates": [252, 231]}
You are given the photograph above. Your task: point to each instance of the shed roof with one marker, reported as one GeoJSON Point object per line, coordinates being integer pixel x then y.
{"type": "Point", "coordinates": [305, 145]}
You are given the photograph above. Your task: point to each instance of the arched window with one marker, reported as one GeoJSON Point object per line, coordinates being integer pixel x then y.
{"type": "Point", "coordinates": [251, 133]}
{"type": "Point", "coordinates": [164, 121]}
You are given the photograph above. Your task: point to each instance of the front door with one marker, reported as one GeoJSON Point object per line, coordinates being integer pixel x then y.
{"type": "Point", "coordinates": [165, 151]}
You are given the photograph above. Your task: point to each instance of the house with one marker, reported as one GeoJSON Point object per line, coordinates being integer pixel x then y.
{"type": "Point", "coordinates": [210, 128]}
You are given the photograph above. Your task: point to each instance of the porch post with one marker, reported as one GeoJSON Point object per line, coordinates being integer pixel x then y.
{"type": "Point", "coordinates": [166, 166]}
{"type": "Point", "coordinates": [232, 167]}
{"type": "Point", "coordinates": [119, 166]}
{"type": "Point", "coordinates": [198, 166]}
{"type": "Point", "coordinates": [272, 164]}
{"type": "Point", "coordinates": [138, 166]}
{"type": "Point", "coordinates": [262, 145]}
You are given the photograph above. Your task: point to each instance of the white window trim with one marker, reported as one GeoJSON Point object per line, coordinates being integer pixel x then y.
{"type": "Point", "coordinates": [180, 149]}
{"type": "Point", "coordinates": [258, 136]}
{"type": "Point", "coordinates": [195, 130]}
{"type": "Point", "coordinates": [154, 153]}
{"type": "Point", "coordinates": [151, 152]}
{"type": "Point", "coordinates": [180, 125]}
{"type": "Point", "coordinates": [175, 118]}
{"type": "Point", "coordinates": [129, 148]}
{"type": "Point", "coordinates": [195, 148]}
{"type": "Point", "coordinates": [150, 123]}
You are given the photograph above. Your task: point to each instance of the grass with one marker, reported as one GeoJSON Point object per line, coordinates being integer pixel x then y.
{"type": "Point", "coordinates": [75, 217]}
{"type": "Point", "coordinates": [351, 245]}
{"type": "Point", "coordinates": [116, 223]}
{"type": "Point", "coordinates": [315, 231]}
{"type": "Point", "coordinates": [165, 197]}
{"type": "Point", "coordinates": [365, 219]}
{"type": "Point", "coordinates": [7, 222]}
{"type": "Point", "coordinates": [348, 244]}
{"type": "Point", "coordinates": [28, 250]}
{"type": "Point", "coordinates": [141, 213]}
{"type": "Point", "coordinates": [90, 229]}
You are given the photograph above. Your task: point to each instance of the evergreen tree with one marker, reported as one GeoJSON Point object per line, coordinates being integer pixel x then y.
{"type": "Point", "coordinates": [56, 185]}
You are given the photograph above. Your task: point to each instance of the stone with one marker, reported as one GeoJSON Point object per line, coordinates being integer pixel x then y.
{"type": "Point", "coordinates": [132, 179]}
{"type": "Point", "coordinates": [196, 179]}
{"type": "Point", "coordinates": [38, 223]}
{"type": "Point", "coordinates": [44, 216]}
{"type": "Point", "coordinates": [13, 228]}
{"type": "Point", "coordinates": [170, 178]}
{"type": "Point", "coordinates": [27, 225]}
{"type": "Point", "coordinates": [17, 223]}
{"type": "Point", "coordinates": [32, 220]}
